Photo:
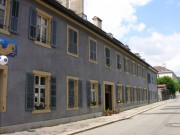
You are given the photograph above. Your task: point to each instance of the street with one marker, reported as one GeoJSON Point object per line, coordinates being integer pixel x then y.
{"type": "Point", "coordinates": [163, 120]}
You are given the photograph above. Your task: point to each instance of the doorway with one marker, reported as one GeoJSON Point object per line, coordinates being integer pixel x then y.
{"type": "Point", "coordinates": [108, 104]}
{"type": "Point", "coordinates": [3, 88]}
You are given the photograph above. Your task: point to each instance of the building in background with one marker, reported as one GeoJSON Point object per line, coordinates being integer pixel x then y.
{"type": "Point", "coordinates": [66, 69]}
{"type": "Point", "coordinates": [163, 71]}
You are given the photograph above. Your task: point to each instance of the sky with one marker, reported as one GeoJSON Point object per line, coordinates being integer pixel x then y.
{"type": "Point", "coordinates": [149, 27]}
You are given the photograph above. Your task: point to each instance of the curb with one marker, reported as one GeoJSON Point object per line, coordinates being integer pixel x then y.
{"type": "Point", "coordinates": [107, 123]}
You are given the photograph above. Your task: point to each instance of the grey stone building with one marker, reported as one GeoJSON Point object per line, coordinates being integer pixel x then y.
{"type": "Point", "coordinates": [66, 68]}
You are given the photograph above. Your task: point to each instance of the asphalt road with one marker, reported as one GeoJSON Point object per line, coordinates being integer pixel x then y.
{"type": "Point", "coordinates": [164, 120]}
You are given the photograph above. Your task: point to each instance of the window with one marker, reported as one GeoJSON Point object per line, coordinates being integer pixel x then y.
{"type": "Point", "coordinates": [9, 16]}
{"type": "Point", "coordinates": [134, 68]}
{"type": "Point", "coordinates": [92, 50]}
{"type": "Point", "coordinates": [144, 73]}
{"type": "Point", "coordinates": [40, 92]}
{"type": "Point", "coordinates": [145, 94]}
{"type": "Point", "coordinates": [119, 94]}
{"type": "Point", "coordinates": [94, 93]}
{"type": "Point", "coordinates": [139, 70]}
{"type": "Point", "coordinates": [42, 28]}
{"type": "Point", "coordinates": [140, 94]}
{"type": "Point", "coordinates": [135, 94]}
{"type": "Point", "coordinates": [3, 6]}
{"type": "Point", "coordinates": [107, 57]}
{"type": "Point", "coordinates": [128, 96]}
{"type": "Point", "coordinates": [3, 88]}
{"type": "Point", "coordinates": [149, 78]}
{"type": "Point", "coordinates": [72, 44]}
{"type": "Point", "coordinates": [127, 65]}
{"type": "Point", "coordinates": [118, 59]}
{"type": "Point", "coordinates": [74, 93]}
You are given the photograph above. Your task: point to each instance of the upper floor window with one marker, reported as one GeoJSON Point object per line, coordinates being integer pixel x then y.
{"type": "Point", "coordinates": [127, 65]}
{"type": "Point", "coordinates": [42, 28]}
{"type": "Point", "coordinates": [149, 78]}
{"type": "Point", "coordinates": [92, 50]}
{"type": "Point", "coordinates": [2, 13]}
{"type": "Point", "coordinates": [72, 43]}
{"type": "Point", "coordinates": [118, 59]}
{"type": "Point", "coordinates": [9, 16]}
{"type": "Point", "coordinates": [107, 57]}
{"type": "Point", "coordinates": [134, 68]}
{"type": "Point", "coordinates": [139, 70]}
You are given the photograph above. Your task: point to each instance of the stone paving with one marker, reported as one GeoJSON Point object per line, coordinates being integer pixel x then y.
{"type": "Point", "coordinates": [80, 126]}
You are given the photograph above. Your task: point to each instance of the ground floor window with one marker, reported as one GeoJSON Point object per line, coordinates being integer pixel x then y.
{"type": "Point", "coordinates": [119, 94]}
{"type": "Point", "coordinates": [40, 92]}
{"type": "Point", "coordinates": [140, 95]}
{"type": "Point", "coordinates": [145, 94]}
{"type": "Point", "coordinates": [74, 93]}
{"type": "Point", "coordinates": [135, 94]}
{"type": "Point", "coordinates": [128, 94]}
{"type": "Point", "coordinates": [94, 93]}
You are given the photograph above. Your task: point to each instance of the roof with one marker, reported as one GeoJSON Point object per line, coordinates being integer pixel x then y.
{"type": "Point", "coordinates": [162, 69]}
{"type": "Point", "coordinates": [55, 4]}
{"type": "Point", "coordinates": [161, 85]}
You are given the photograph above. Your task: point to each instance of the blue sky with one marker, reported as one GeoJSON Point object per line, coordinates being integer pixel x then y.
{"type": "Point", "coordinates": [161, 15]}
{"type": "Point", "coordinates": [149, 27]}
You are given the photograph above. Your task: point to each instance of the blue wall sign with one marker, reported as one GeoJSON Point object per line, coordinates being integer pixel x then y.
{"type": "Point", "coordinates": [8, 47]}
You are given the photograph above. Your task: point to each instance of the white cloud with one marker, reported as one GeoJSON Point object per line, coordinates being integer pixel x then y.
{"type": "Point", "coordinates": [158, 49]}
{"type": "Point", "coordinates": [118, 17]}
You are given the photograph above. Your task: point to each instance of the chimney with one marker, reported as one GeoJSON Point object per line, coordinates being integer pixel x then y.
{"type": "Point", "coordinates": [76, 5]}
{"type": "Point", "coordinates": [97, 22]}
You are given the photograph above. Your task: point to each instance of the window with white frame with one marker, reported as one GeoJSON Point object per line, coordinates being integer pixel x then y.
{"type": "Point", "coordinates": [3, 6]}
{"type": "Point", "coordinates": [93, 93]}
{"type": "Point", "coordinates": [42, 29]}
{"type": "Point", "coordinates": [40, 92]}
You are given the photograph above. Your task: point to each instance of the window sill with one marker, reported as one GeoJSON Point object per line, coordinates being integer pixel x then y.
{"type": "Point", "coordinates": [92, 61]}
{"type": "Point", "coordinates": [73, 109]}
{"type": "Point", "coordinates": [72, 54]}
{"type": "Point", "coordinates": [41, 111]}
{"type": "Point", "coordinates": [93, 106]}
{"type": "Point", "coordinates": [4, 31]}
{"type": "Point", "coordinates": [43, 44]}
{"type": "Point", "coordinates": [119, 70]}
{"type": "Point", "coordinates": [108, 66]}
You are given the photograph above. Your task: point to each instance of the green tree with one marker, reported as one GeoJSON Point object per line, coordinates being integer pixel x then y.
{"type": "Point", "coordinates": [171, 85]}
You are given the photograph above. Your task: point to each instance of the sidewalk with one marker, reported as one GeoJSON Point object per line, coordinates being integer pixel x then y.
{"type": "Point", "coordinates": [80, 126]}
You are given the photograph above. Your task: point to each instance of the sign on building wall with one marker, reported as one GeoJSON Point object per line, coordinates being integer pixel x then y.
{"type": "Point", "coordinates": [8, 47]}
